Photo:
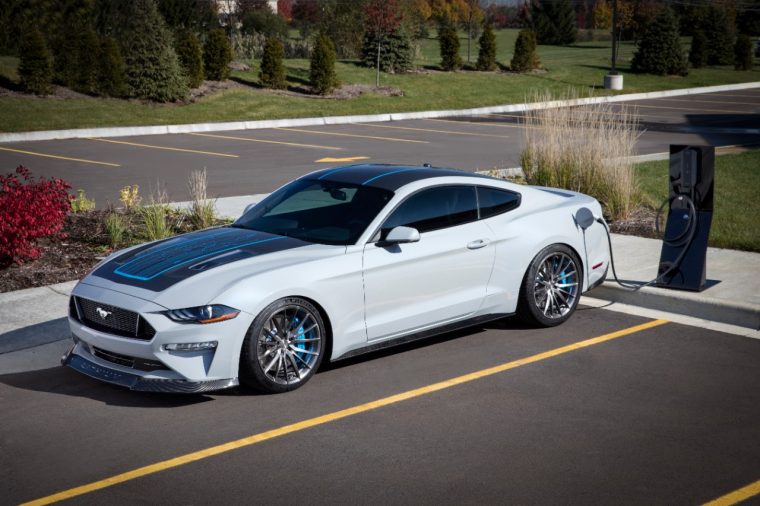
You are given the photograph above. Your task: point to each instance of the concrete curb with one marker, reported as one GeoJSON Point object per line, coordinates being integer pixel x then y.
{"type": "Point", "coordinates": [673, 301]}
{"type": "Point", "coordinates": [336, 120]}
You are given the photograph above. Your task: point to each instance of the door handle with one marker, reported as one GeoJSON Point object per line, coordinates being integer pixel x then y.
{"type": "Point", "coordinates": [480, 243]}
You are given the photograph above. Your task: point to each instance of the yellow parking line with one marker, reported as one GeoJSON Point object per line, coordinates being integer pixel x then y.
{"type": "Point", "coordinates": [709, 101]}
{"type": "Point", "coordinates": [393, 139]}
{"type": "Point", "coordinates": [59, 157]}
{"type": "Point", "coordinates": [332, 148]}
{"type": "Point", "coordinates": [430, 130]}
{"type": "Point", "coordinates": [334, 416]}
{"type": "Point", "coordinates": [166, 148]}
{"type": "Point", "coordinates": [693, 110]}
{"type": "Point", "coordinates": [737, 496]}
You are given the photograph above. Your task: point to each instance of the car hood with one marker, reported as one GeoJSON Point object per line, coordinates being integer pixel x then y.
{"type": "Point", "coordinates": [207, 260]}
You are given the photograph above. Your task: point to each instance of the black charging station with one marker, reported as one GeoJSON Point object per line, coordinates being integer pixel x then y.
{"type": "Point", "coordinates": [684, 244]}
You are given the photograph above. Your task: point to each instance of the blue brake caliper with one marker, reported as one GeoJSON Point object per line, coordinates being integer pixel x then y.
{"type": "Point", "coordinates": [301, 346]}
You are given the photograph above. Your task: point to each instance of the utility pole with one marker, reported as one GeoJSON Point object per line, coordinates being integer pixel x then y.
{"type": "Point", "coordinates": [614, 80]}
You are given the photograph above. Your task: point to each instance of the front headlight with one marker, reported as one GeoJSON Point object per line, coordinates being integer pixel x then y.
{"type": "Point", "coordinates": [202, 314]}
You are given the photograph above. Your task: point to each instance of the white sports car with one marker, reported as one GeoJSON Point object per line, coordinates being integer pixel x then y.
{"type": "Point", "coordinates": [337, 263]}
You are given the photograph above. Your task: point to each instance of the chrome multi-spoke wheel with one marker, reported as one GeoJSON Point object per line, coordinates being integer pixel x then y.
{"type": "Point", "coordinates": [551, 287]}
{"type": "Point", "coordinates": [289, 344]}
{"type": "Point", "coordinates": [284, 346]}
{"type": "Point", "coordinates": [556, 285]}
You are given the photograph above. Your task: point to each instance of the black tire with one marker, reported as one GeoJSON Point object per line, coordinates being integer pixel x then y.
{"type": "Point", "coordinates": [551, 287]}
{"type": "Point", "coordinates": [283, 347]}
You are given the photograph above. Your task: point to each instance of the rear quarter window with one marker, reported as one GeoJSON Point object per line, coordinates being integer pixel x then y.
{"type": "Point", "coordinates": [494, 201]}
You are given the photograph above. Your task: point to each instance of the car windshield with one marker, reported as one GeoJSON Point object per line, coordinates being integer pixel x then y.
{"type": "Point", "coordinates": [317, 211]}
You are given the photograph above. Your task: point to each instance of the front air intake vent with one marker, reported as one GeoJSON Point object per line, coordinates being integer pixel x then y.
{"type": "Point", "coordinates": [113, 320]}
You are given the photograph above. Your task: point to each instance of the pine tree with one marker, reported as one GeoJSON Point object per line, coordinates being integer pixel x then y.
{"type": "Point", "coordinates": [487, 53]}
{"type": "Point", "coordinates": [217, 55]}
{"type": "Point", "coordinates": [84, 76]}
{"type": "Point", "coordinates": [396, 53]}
{"type": "Point", "coordinates": [525, 57]}
{"type": "Point", "coordinates": [35, 70]}
{"type": "Point", "coordinates": [272, 73]}
{"type": "Point", "coordinates": [564, 20]}
{"type": "Point", "coordinates": [322, 67]}
{"type": "Point", "coordinates": [190, 57]}
{"type": "Point", "coordinates": [449, 43]}
{"type": "Point", "coordinates": [110, 69]}
{"type": "Point", "coordinates": [554, 22]}
{"type": "Point", "coordinates": [720, 34]}
{"type": "Point", "coordinates": [743, 53]}
{"type": "Point", "coordinates": [697, 53]}
{"type": "Point", "coordinates": [152, 69]}
{"type": "Point", "coordinates": [659, 51]}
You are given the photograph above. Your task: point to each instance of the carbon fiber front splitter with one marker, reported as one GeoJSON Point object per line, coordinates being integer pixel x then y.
{"type": "Point", "coordinates": [136, 382]}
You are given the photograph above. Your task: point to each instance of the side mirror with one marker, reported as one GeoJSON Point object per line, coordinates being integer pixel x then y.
{"type": "Point", "coordinates": [402, 235]}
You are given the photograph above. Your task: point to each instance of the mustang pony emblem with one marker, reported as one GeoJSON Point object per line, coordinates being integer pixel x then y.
{"type": "Point", "coordinates": [102, 313]}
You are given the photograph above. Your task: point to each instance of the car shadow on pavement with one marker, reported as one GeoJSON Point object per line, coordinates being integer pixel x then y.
{"type": "Point", "coordinates": [507, 323]}
{"type": "Point", "coordinates": [34, 335]}
{"type": "Point", "coordinates": [64, 381]}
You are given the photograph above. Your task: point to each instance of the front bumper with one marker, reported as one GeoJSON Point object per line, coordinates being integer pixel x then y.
{"type": "Point", "coordinates": [80, 360]}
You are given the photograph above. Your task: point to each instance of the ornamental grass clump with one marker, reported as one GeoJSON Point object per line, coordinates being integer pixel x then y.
{"type": "Point", "coordinates": [202, 213]}
{"type": "Point", "coordinates": [586, 148]}
{"type": "Point", "coordinates": [155, 216]}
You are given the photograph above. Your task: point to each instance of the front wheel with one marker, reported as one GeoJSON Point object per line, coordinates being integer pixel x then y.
{"type": "Point", "coordinates": [284, 346]}
{"type": "Point", "coordinates": [551, 288]}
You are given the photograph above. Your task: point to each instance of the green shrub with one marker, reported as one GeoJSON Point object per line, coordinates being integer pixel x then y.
{"type": "Point", "coordinates": [190, 57]}
{"type": "Point", "coordinates": [265, 22]}
{"type": "Point", "coordinates": [396, 51]}
{"type": "Point", "coordinates": [217, 55]}
{"type": "Point", "coordinates": [272, 74]}
{"type": "Point", "coordinates": [697, 53]}
{"type": "Point", "coordinates": [720, 34]}
{"type": "Point", "coordinates": [743, 53]}
{"type": "Point", "coordinates": [659, 51]}
{"type": "Point", "coordinates": [449, 45]}
{"type": "Point", "coordinates": [322, 67]}
{"type": "Point", "coordinates": [152, 68]}
{"type": "Point", "coordinates": [35, 70]}
{"type": "Point", "coordinates": [110, 69]}
{"type": "Point", "coordinates": [487, 52]}
{"type": "Point", "coordinates": [84, 74]}
{"type": "Point", "coordinates": [115, 229]}
{"type": "Point", "coordinates": [81, 203]}
{"type": "Point", "coordinates": [525, 57]}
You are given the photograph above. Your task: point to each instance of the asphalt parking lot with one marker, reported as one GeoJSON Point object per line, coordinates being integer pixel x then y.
{"type": "Point", "coordinates": [649, 412]}
{"type": "Point", "coordinates": [258, 161]}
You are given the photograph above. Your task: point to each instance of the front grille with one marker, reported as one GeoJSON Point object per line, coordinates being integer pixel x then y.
{"type": "Point", "coordinates": [127, 361]}
{"type": "Point", "coordinates": [113, 320]}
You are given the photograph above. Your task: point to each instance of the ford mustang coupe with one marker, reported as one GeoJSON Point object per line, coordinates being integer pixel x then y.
{"type": "Point", "coordinates": [337, 263]}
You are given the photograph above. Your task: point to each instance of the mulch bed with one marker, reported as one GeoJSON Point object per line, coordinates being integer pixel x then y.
{"type": "Point", "coordinates": [86, 244]}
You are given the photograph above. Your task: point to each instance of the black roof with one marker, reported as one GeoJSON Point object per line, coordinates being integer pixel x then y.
{"type": "Point", "coordinates": [387, 177]}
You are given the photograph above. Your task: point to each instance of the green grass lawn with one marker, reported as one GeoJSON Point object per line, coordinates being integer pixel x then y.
{"type": "Point", "coordinates": [736, 215]}
{"type": "Point", "coordinates": [580, 67]}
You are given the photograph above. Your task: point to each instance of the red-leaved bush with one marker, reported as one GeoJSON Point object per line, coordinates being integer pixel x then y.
{"type": "Point", "coordinates": [29, 209]}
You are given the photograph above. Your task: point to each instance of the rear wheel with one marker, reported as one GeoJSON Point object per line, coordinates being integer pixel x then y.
{"type": "Point", "coordinates": [284, 346]}
{"type": "Point", "coordinates": [551, 287]}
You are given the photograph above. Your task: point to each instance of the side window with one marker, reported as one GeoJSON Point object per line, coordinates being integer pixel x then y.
{"type": "Point", "coordinates": [435, 208]}
{"type": "Point", "coordinates": [493, 201]}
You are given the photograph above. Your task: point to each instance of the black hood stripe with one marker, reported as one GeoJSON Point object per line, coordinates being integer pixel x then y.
{"type": "Point", "coordinates": [158, 266]}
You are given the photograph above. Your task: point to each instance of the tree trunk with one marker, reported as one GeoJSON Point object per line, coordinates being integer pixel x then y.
{"type": "Point", "coordinates": [377, 75]}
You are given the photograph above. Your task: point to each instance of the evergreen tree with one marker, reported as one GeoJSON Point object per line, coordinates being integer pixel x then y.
{"type": "Point", "coordinates": [84, 74]}
{"type": "Point", "coordinates": [487, 53]}
{"type": "Point", "coordinates": [272, 73]}
{"type": "Point", "coordinates": [190, 57]}
{"type": "Point", "coordinates": [35, 70]}
{"type": "Point", "coordinates": [396, 53]}
{"type": "Point", "coordinates": [322, 68]}
{"type": "Point", "coordinates": [659, 51]}
{"type": "Point", "coordinates": [110, 69]}
{"type": "Point", "coordinates": [554, 22]}
{"type": "Point", "coordinates": [697, 53]}
{"type": "Point", "coordinates": [525, 57]}
{"type": "Point", "coordinates": [449, 44]}
{"type": "Point", "coordinates": [743, 53]}
{"type": "Point", "coordinates": [152, 69]}
{"type": "Point", "coordinates": [720, 33]}
{"type": "Point", "coordinates": [217, 55]}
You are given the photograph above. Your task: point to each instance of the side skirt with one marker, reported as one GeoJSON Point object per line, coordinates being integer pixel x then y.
{"type": "Point", "coordinates": [470, 322]}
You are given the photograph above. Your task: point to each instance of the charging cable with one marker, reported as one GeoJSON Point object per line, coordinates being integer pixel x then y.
{"type": "Point", "coordinates": [684, 239]}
